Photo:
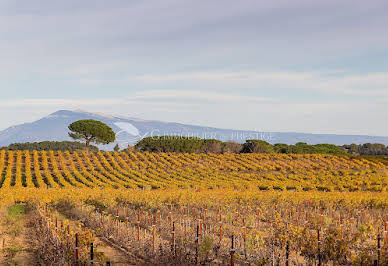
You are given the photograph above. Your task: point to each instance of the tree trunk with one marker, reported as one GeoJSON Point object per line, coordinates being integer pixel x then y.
{"type": "Point", "coordinates": [87, 146]}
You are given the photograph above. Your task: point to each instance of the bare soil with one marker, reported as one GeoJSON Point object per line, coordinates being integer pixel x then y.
{"type": "Point", "coordinates": [16, 247]}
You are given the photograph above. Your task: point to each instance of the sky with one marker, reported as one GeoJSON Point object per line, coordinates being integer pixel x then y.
{"type": "Point", "coordinates": [288, 66]}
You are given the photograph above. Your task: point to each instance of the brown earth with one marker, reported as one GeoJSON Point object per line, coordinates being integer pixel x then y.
{"type": "Point", "coordinates": [16, 248]}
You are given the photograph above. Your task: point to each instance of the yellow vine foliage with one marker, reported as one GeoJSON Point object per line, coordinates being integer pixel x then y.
{"type": "Point", "coordinates": [266, 172]}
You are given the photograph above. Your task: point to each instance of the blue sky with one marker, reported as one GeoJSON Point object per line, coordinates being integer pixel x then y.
{"type": "Point", "coordinates": [305, 66]}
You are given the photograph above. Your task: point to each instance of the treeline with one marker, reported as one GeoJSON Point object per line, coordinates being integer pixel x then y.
{"type": "Point", "coordinates": [259, 146]}
{"type": "Point", "coordinates": [197, 145]}
{"type": "Point", "coordinates": [49, 145]}
{"type": "Point", "coordinates": [367, 149]}
{"type": "Point", "coordinates": [186, 145]}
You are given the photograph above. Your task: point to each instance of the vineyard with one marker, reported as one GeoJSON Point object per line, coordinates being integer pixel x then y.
{"type": "Point", "coordinates": [203, 171]}
{"type": "Point", "coordinates": [111, 208]}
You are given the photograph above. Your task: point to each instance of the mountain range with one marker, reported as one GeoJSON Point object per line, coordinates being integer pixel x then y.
{"type": "Point", "coordinates": [130, 130]}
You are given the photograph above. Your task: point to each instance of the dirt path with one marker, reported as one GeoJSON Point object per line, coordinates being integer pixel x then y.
{"type": "Point", "coordinates": [114, 254]}
{"type": "Point", "coordinates": [15, 245]}
{"type": "Point", "coordinates": [105, 250]}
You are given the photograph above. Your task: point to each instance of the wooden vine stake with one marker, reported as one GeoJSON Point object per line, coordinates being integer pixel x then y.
{"type": "Point", "coordinates": [91, 254]}
{"type": "Point", "coordinates": [200, 226]}
{"type": "Point", "coordinates": [68, 232]}
{"type": "Point", "coordinates": [173, 239]}
{"type": "Point", "coordinates": [76, 250]}
{"type": "Point", "coordinates": [138, 227]}
{"type": "Point", "coordinates": [197, 246]}
{"type": "Point", "coordinates": [245, 238]}
{"type": "Point", "coordinates": [319, 248]}
{"type": "Point", "coordinates": [232, 251]}
{"type": "Point", "coordinates": [287, 252]}
{"type": "Point", "coordinates": [153, 234]}
{"type": "Point", "coordinates": [378, 248]}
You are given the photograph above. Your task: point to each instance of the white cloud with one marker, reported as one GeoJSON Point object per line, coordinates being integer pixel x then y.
{"type": "Point", "coordinates": [196, 95]}
{"type": "Point", "coordinates": [330, 82]}
{"type": "Point", "coordinates": [229, 65]}
{"type": "Point", "coordinates": [59, 102]}
{"type": "Point", "coordinates": [154, 97]}
{"type": "Point", "coordinates": [87, 69]}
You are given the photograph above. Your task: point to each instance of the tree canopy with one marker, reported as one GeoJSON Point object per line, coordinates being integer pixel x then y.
{"type": "Point", "coordinates": [169, 144]}
{"type": "Point", "coordinates": [304, 148]}
{"type": "Point", "coordinates": [116, 147]}
{"type": "Point", "coordinates": [367, 149]}
{"type": "Point", "coordinates": [257, 146]}
{"type": "Point", "coordinates": [197, 145]}
{"type": "Point", "coordinates": [48, 146]}
{"type": "Point", "coordinates": [91, 131]}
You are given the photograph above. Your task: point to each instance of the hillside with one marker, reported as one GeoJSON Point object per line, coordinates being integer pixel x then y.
{"type": "Point", "coordinates": [208, 171]}
{"type": "Point", "coordinates": [130, 130]}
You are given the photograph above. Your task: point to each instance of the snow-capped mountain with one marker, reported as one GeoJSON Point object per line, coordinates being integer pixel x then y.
{"type": "Point", "coordinates": [130, 130]}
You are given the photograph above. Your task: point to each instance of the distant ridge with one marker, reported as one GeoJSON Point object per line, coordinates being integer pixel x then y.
{"type": "Point", "coordinates": [130, 130]}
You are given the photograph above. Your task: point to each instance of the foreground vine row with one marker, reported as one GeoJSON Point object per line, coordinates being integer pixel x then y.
{"type": "Point", "coordinates": [189, 227]}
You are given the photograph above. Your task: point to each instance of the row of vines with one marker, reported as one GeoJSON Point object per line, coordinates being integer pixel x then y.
{"type": "Point", "coordinates": [211, 227]}
{"type": "Point", "coordinates": [49, 169]}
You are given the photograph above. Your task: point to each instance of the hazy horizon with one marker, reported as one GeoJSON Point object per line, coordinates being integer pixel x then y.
{"type": "Point", "coordinates": [300, 66]}
{"type": "Point", "coordinates": [118, 116]}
